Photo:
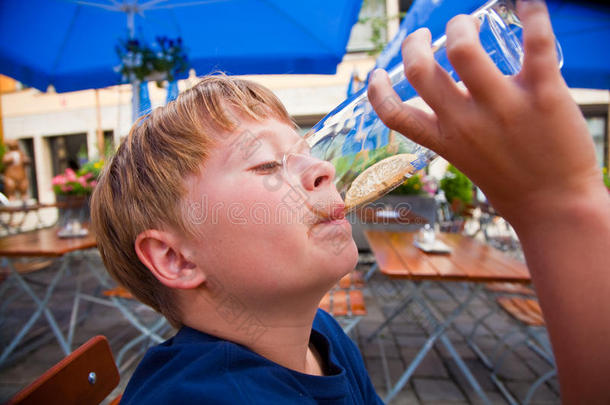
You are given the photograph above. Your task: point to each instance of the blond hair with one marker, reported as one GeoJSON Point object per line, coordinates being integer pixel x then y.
{"type": "Point", "coordinates": [143, 185]}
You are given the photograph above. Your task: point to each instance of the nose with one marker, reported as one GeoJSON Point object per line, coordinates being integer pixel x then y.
{"type": "Point", "coordinates": [312, 173]}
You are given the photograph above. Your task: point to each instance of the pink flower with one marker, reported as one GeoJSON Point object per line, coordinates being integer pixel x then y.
{"type": "Point", "coordinates": [82, 181]}
{"type": "Point", "coordinates": [70, 175]}
{"type": "Point", "coordinates": [58, 180]}
{"type": "Point", "coordinates": [87, 176]}
{"type": "Point", "coordinates": [66, 188]}
{"type": "Point", "coordinates": [429, 185]}
{"type": "Point", "coordinates": [93, 183]}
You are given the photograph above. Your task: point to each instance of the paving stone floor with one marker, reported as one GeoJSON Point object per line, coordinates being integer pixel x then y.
{"type": "Point", "coordinates": [436, 381]}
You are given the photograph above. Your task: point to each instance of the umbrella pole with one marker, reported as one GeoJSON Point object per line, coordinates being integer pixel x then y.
{"type": "Point", "coordinates": [135, 91]}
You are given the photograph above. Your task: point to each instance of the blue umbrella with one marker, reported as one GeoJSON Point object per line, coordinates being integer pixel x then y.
{"type": "Point", "coordinates": [71, 44]}
{"type": "Point", "coordinates": [582, 29]}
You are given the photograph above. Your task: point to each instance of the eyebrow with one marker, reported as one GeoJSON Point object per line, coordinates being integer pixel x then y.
{"type": "Point", "coordinates": [246, 141]}
{"type": "Point", "coordinates": [250, 140]}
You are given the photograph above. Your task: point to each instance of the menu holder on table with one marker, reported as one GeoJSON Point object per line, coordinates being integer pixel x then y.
{"type": "Point", "coordinates": [435, 246]}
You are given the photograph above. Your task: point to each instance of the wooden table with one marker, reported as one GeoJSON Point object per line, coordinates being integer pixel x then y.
{"type": "Point", "coordinates": [469, 261]}
{"type": "Point", "coordinates": [45, 243]}
{"type": "Point", "coordinates": [41, 243]}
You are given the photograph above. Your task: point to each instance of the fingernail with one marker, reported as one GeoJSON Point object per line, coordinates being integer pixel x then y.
{"type": "Point", "coordinates": [376, 74]}
{"type": "Point", "coordinates": [530, 2]}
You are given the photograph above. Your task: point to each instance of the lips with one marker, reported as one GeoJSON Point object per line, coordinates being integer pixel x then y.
{"type": "Point", "coordinates": [330, 223]}
{"type": "Point", "coordinates": [336, 213]}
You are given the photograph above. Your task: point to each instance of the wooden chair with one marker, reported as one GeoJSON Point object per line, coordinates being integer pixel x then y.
{"type": "Point", "coordinates": [525, 310]}
{"type": "Point", "coordinates": [519, 302]}
{"type": "Point", "coordinates": [86, 376]}
{"type": "Point", "coordinates": [528, 314]}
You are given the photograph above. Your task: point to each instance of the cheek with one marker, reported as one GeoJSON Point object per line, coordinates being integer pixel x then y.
{"type": "Point", "coordinates": [268, 200]}
{"type": "Point", "coordinates": [249, 216]}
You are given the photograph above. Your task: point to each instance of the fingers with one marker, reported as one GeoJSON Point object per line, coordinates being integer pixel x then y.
{"type": "Point", "coordinates": [540, 61]}
{"type": "Point", "coordinates": [416, 124]}
{"type": "Point", "coordinates": [472, 64]}
{"type": "Point", "coordinates": [426, 76]}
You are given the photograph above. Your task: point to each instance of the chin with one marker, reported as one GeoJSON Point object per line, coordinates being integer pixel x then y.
{"type": "Point", "coordinates": [352, 252]}
{"type": "Point", "coordinates": [344, 260]}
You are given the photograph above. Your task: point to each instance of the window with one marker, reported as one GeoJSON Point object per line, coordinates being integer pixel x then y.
{"type": "Point", "coordinates": [404, 6]}
{"type": "Point", "coordinates": [597, 122]}
{"type": "Point", "coordinates": [370, 30]}
{"type": "Point", "coordinates": [27, 146]}
{"type": "Point", "coordinates": [370, 33]}
{"type": "Point", "coordinates": [68, 151]}
{"type": "Point", "coordinates": [597, 129]}
{"type": "Point", "coordinates": [108, 143]}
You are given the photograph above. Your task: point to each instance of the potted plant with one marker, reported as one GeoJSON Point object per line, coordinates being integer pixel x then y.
{"type": "Point", "coordinates": [458, 190]}
{"type": "Point", "coordinates": [162, 60]}
{"type": "Point", "coordinates": [420, 184]}
{"type": "Point", "coordinates": [73, 189]}
{"type": "Point", "coordinates": [416, 194]}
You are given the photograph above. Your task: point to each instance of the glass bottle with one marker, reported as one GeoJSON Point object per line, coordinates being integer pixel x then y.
{"type": "Point", "coordinates": [353, 138]}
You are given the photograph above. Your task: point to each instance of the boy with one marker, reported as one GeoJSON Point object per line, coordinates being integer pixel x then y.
{"type": "Point", "coordinates": [235, 246]}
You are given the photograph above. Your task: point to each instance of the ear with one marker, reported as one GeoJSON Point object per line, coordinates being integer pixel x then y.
{"type": "Point", "coordinates": [161, 252]}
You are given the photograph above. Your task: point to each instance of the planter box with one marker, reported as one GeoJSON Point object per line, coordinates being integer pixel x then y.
{"type": "Point", "coordinates": [395, 212]}
{"type": "Point", "coordinates": [73, 207]}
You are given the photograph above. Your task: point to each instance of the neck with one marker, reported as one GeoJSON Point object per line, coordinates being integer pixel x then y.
{"type": "Point", "coordinates": [281, 335]}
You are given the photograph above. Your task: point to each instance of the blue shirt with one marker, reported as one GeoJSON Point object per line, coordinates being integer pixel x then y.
{"type": "Point", "coordinates": [194, 367]}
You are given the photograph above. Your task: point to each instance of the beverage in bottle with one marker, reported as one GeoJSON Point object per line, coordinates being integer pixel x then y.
{"type": "Point", "coordinates": [369, 159]}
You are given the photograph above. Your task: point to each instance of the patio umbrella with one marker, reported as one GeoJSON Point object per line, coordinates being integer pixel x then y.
{"type": "Point", "coordinates": [582, 29]}
{"type": "Point", "coordinates": [71, 44]}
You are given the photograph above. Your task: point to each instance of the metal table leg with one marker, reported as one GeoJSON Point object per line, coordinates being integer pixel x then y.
{"type": "Point", "coordinates": [146, 332]}
{"type": "Point", "coordinates": [41, 308]}
{"type": "Point", "coordinates": [439, 328]}
{"type": "Point", "coordinates": [370, 271]}
{"type": "Point", "coordinates": [397, 311]}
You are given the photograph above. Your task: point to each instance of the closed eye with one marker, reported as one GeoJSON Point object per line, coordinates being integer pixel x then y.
{"type": "Point", "coordinates": [267, 167]}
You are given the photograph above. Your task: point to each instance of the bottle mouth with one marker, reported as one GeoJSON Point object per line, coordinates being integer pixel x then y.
{"type": "Point", "coordinates": [501, 21]}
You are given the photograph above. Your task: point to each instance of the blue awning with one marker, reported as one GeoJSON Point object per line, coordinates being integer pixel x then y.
{"type": "Point", "coordinates": [71, 45]}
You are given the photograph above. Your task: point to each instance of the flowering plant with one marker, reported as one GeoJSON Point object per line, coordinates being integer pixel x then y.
{"type": "Point", "coordinates": [165, 56]}
{"type": "Point", "coordinates": [606, 178]}
{"type": "Point", "coordinates": [418, 184]}
{"type": "Point", "coordinates": [80, 183]}
{"type": "Point", "coordinates": [94, 167]}
{"type": "Point", "coordinates": [458, 190]}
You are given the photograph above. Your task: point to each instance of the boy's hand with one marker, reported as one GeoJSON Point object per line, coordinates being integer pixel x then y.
{"type": "Point", "coordinates": [522, 139]}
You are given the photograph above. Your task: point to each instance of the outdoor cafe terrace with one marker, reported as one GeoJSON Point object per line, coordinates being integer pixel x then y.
{"type": "Point", "coordinates": [458, 327]}
{"type": "Point", "coordinates": [441, 304]}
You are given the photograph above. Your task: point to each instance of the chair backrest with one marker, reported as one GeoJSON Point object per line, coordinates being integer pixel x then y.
{"type": "Point", "coordinates": [86, 376]}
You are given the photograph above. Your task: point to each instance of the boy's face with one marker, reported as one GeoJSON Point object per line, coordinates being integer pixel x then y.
{"type": "Point", "coordinates": [270, 229]}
